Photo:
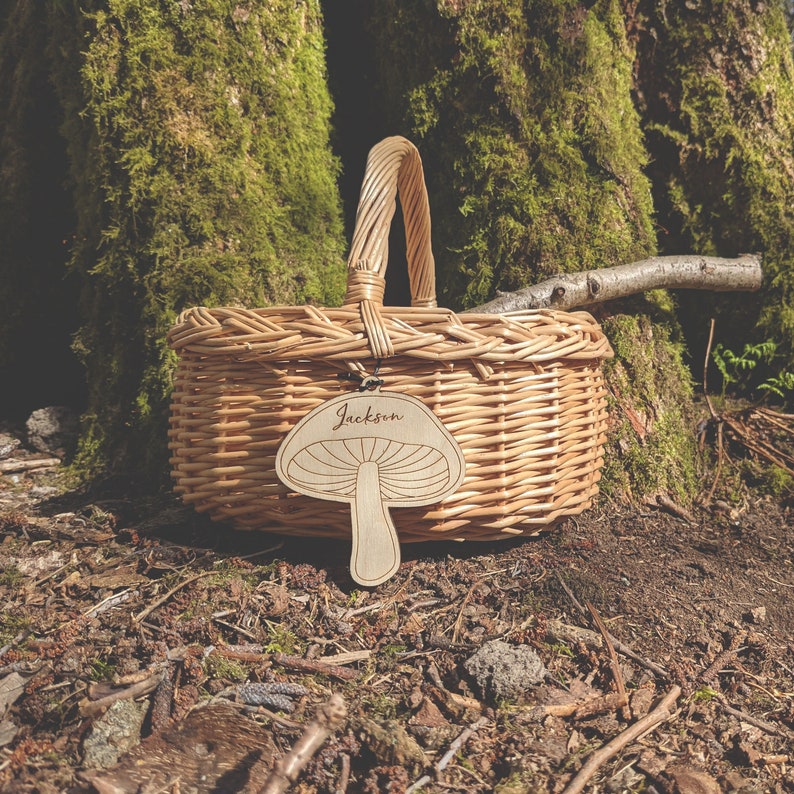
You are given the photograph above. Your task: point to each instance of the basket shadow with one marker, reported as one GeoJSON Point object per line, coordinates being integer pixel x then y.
{"type": "Point", "coordinates": [165, 520]}
{"type": "Point", "coordinates": [332, 556]}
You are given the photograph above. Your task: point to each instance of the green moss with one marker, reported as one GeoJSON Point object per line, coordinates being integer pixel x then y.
{"type": "Point", "coordinates": [11, 626]}
{"type": "Point", "coordinates": [533, 152]}
{"type": "Point", "coordinates": [716, 84]}
{"type": "Point", "coordinates": [102, 670]}
{"type": "Point", "coordinates": [11, 576]}
{"type": "Point", "coordinates": [652, 448]}
{"type": "Point", "coordinates": [216, 666]}
{"type": "Point", "coordinates": [280, 639]}
{"type": "Point", "coordinates": [703, 695]}
{"type": "Point", "coordinates": [198, 142]}
{"type": "Point", "coordinates": [516, 783]}
{"type": "Point", "coordinates": [768, 479]}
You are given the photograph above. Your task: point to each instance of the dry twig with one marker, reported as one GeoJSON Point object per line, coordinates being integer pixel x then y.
{"type": "Point", "coordinates": [301, 665]}
{"type": "Point", "coordinates": [329, 717]}
{"type": "Point", "coordinates": [15, 464]}
{"type": "Point", "coordinates": [619, 646]}
{"type": "Point", "coordinates": [585, 707]}
{"type": "Point", "coordinates": [661, 713]}
{"type": "Point", "coordinates": [141, 616]}
{"type": "Point", "coordinates": [749, 440]}
{"type": "Point", "coordinates": [666, 503]}
{"type": "Point", "coordinates": [743, 432]}
{"type": "Point", "coordinates": [623, 698]}
{"type": "Point", "coordinates": [711, 672]}
{"type": "Point", "coordinates": [570, 290]}
{"type": "Point", "coordinates": [344, 777]}
{"type": "Point", "coordinates": [92, 708]}
{"type": "Point", "coordinates": [767, 727]}
{"type": "Point", "coordinates": [296, 663]}
{"type": "Point", "coordinates": [443, 762]}
{"type": "Point", "coordinates": [714, 416]}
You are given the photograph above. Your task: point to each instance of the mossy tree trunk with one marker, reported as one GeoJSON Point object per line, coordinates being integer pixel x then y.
{"type": "Point", "coordinates": [198, 139]}
{"type": "Point", "coordinates": [715, 86]}
{"type": "Point", "coordinates": [523, 113]}
{"type": "Point", "coordinates": [557, 135]}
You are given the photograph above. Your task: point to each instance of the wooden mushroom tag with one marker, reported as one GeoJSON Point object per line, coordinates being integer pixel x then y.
{"type": "Point", "coordinates": [375, 450]}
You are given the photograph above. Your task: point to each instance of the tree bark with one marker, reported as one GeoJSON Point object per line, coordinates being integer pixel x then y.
{"type": "Point", "coordinates": [532, 147]}
{"type": "Point", "coordinates": [199, 150]}
{"type": "Point", "coordinates": [572, 290]}
{"type": "Point", "coordinates": [714, 84]}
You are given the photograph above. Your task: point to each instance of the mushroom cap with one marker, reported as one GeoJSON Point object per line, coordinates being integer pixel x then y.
{"type": "Point", "coordinates": [418, 460]}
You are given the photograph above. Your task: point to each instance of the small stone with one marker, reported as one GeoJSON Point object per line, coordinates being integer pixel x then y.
{"type": "Point", "coordinates": [505, 671]}
{"type": "Point", "coordinates": [428, 715]}
{"type": "Point", "coordinates": [640, 702]}
{"type": "Point", "coordinates": [53, 429]}
{"type": "Point", "coordinates": [116, 732]}
{"type": "Point", "coordinates": [757, 615]}
{"type": "Point", "coordinates": [8, 444]}
{"type": "Point", "coordinates": [689, 780]}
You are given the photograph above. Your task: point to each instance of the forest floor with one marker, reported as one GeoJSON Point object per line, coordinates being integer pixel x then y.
{"type": "Point", "coordinates": [132, 631]}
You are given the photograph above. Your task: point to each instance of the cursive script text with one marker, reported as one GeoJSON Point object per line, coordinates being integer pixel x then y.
{"type": "Point", "coordinates": [369, 418]}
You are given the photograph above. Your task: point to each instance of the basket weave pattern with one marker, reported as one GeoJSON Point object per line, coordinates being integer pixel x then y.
{"type": "Point", "coordinates": [521, 393]}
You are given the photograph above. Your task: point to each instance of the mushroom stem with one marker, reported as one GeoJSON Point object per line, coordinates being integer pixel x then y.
{"type": "Point", "coordinates": [376, 548]}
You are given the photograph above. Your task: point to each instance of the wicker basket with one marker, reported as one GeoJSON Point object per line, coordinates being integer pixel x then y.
{"type": "Point", "coordinates": [521, 393]}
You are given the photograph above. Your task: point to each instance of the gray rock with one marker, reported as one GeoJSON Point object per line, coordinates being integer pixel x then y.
{"type": "Point", "coordinates": [116, 732]}
{"type": "Point", "coordinates": [8, 444]}
{"type": "Point", "coordinates": [53, 429]}
{"type": "Point", "coordinates": [505, 671]}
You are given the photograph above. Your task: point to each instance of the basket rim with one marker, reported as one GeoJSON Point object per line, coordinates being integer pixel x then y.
{"type": "Point", "coordinates": [281, 333]}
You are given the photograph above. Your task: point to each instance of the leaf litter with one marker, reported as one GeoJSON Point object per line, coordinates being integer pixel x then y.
{"type": "Point", "coordinates": [144, 649]}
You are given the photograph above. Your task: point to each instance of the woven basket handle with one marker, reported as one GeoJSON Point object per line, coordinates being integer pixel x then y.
{"type": "Point", "coordinates": [393, 164]}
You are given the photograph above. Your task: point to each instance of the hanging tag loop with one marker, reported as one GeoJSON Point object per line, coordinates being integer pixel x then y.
{"type": "Point", "coordinates": [366, 382]}
{"type": "Point", "coordinates": [370, 383]}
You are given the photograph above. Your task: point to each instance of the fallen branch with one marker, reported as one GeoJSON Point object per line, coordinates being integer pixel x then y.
{"type": "Point", "coordinates": [15, 464]}
{"type": "Point", "coordinates": [617, 644]}
{"type": "Point", "coordinates": [571, 290]}
{"type": "Point", "coordinates": [767, 727]}
{"type": "Point", "coordinates": [329, 717]}
{"type": "Point", "coordinates": [623, 698]}
{"type": "Point", "coordinates": [660, 714]}
{"type": "Point", "coordinates": [93, 708]}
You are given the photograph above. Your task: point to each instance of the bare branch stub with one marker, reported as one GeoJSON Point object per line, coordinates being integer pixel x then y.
{"type": "Point", "coordinates": [573, 290]}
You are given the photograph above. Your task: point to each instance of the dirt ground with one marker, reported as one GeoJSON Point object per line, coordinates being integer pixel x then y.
{"type": "Point", "coordinates": [143, 649]}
